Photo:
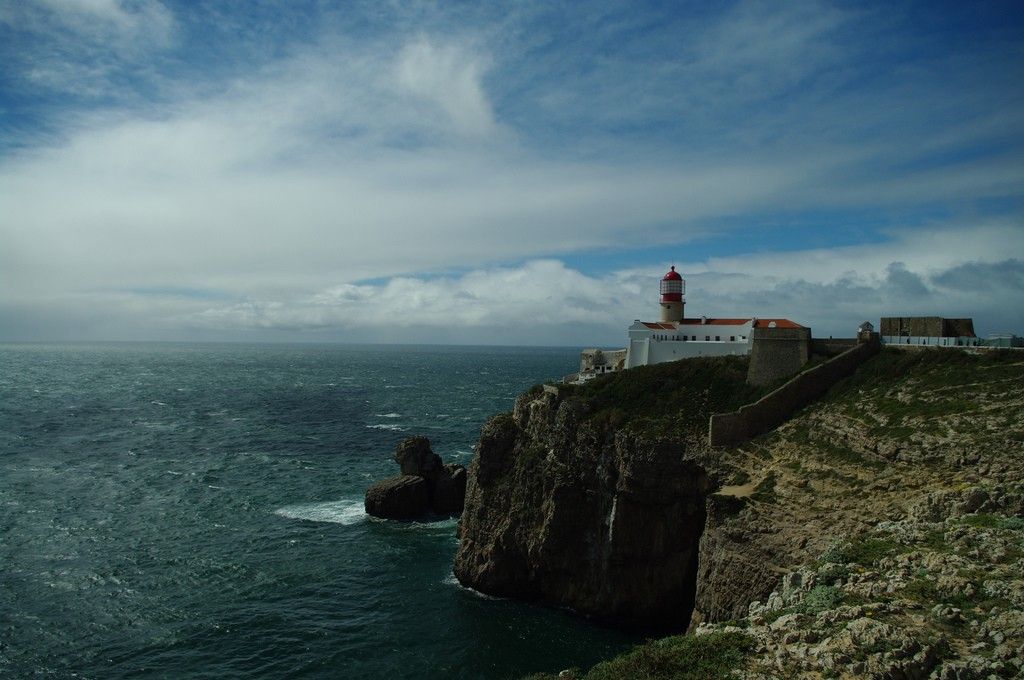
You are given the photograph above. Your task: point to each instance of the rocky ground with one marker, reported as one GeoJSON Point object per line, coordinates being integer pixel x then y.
{"type": "Point", "coordinates": [905, 428]}
{"type": "Point", "coordinates": [912, 598]}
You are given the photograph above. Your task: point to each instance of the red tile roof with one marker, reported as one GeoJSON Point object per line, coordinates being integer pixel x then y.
{"type": "Point", "coordinates": [779, 323]}
{"type": "Point", "coordinates": [715, 322]}
{"type": "Point", "coordinates": [758, 323]}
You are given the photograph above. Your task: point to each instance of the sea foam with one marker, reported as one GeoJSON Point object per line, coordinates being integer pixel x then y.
{"type": "Point", "coordinates": [338, 512]}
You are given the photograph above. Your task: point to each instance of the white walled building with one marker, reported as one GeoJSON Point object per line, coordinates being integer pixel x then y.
{"type": "Point", "coordinates": [676, 337]}
{"type": "Point", "coordinates": [655, 343]}
{"type": "Point", "coordinates": [777, 346]}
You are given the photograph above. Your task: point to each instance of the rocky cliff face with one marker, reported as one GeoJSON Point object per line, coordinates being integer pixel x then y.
{"type": "Point", "coordinates": [571, 511]}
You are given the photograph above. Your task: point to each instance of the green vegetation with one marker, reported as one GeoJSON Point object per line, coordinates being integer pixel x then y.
{"type": "Point", "coordinates": [922, 589]}
{"type": "Point", "coordinates": [817, 600]}
{"type": "Point", "coordinates": [669, 399]}
{"type": "Point", "coordinates": [936, 540]}
{"type": "Point", "coordinates": [939, 368]}
{"type": "Point", "coordinates": [987, 521]}
{"type": "Point", "coordinates": [1015, 523]}
{"type": "Point", "coordinates": [867, 551]}
{"type": "Point", "coordinates": [861, 550]}
{"type": "Point", "coordinates": [833, 450]}
{"type": "Point", "coordinates": [926, 591]}
{"type": "Point", "coordinates": [820, 598]}
{"type": "Point", "coordinates": [681, 657]}
{"type": "Point", "coordinates": [939, 382]}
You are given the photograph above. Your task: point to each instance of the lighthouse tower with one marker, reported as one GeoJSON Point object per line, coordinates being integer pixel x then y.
{"type": "Point", "coordinates": [672, 289]}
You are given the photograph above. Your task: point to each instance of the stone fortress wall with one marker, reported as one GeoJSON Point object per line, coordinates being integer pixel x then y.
{"type": "Point", "coordinates": [926, 326]}
{"type": "Point", "coordinates": [830, 347]}
{"type": "Point", "coordinates": [777, 353]}
{"type": "Point", "coordinates": [773, 409]}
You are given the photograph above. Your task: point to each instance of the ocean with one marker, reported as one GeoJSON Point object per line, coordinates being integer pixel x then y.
{"type": "Point", "coordinates": [196, 511]}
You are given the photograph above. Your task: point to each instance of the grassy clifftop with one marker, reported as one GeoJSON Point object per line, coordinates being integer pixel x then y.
{"type": "Point", "coordinates": [671, 398]}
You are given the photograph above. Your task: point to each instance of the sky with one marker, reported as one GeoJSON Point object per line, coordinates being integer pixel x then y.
{"type": "Point", "coordinates": [504, 173]}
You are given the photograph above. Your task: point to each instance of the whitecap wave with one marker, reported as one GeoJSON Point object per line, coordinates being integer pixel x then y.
{"type": "Point", "coordinates": [439, 524]}
{"type": "Point", "coordinates": [337, 512]}
{"type": "Point", "coordinates": [388, 415]}
{"type": "Point", "coordinates": [450, 580]}
{"type": "Point", "coordinates": [387, 426]}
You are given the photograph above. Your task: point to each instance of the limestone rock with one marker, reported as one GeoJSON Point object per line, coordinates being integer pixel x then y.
{"type": "Point", "coordinates": [402, 497]}
{"type": "Point", "coordinates": [415, 457]}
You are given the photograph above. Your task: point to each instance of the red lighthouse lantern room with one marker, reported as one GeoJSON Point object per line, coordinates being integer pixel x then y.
{"type": "Point", "coordinates": [673, 287]}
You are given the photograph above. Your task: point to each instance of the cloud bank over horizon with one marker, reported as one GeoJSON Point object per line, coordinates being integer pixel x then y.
{"type": "Point", "coordinates": [513, 174]}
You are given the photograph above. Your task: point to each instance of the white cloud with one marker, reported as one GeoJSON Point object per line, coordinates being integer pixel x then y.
{"type": "Point", "coordinates": [296, 179]}
{"type": "Point", "coordinates": [545, 302]}
{"type": "Point", "coordinates": [449, 77]}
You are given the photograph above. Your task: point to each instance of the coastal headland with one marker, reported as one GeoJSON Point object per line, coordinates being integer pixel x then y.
{"type": "Point", "coordinates": [876, 532]}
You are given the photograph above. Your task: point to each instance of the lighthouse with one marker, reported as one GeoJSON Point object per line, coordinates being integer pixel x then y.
{"type": "Point", "coordinates": [672, 289]}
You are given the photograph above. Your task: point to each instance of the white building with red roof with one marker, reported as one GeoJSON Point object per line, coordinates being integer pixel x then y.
{"type": "Point", "coordinates": [677, 337]}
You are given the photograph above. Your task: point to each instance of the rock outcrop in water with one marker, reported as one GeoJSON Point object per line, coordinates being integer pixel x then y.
{"type": "Point", "coordinates": [426, 486]}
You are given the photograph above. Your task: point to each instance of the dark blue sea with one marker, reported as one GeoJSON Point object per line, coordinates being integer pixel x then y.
{"type": "Point", "coordinates": [195, 511]}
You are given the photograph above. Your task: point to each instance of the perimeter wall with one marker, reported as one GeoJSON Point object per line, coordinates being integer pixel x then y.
{"type": "Point", "coordinates": [776, 407]}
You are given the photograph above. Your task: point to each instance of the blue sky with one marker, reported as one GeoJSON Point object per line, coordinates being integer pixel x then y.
{"type": "Point", "coordinates": [503, 172]}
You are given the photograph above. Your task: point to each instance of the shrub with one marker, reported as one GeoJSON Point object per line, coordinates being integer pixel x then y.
{"type": "Point", "coordinates": [987, 521]}
{"type": "Point", "coordinates": [681, 657]}
{"type": "Point", "coordinates": [981, 521]}
{"type": "Point", "coordinates": [820, 598]}
{"type": "Point", "coordinates": [1015, 523]}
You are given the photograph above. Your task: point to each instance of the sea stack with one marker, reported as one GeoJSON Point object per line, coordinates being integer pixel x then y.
{"type": "Point", "coordinates": [426, 486]}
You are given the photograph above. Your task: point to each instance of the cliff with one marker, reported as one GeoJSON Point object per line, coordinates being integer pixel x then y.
{"type": "Point", "coordinates": [594, 498]}
{"type": "Point", "coordinates": [877, 532]}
